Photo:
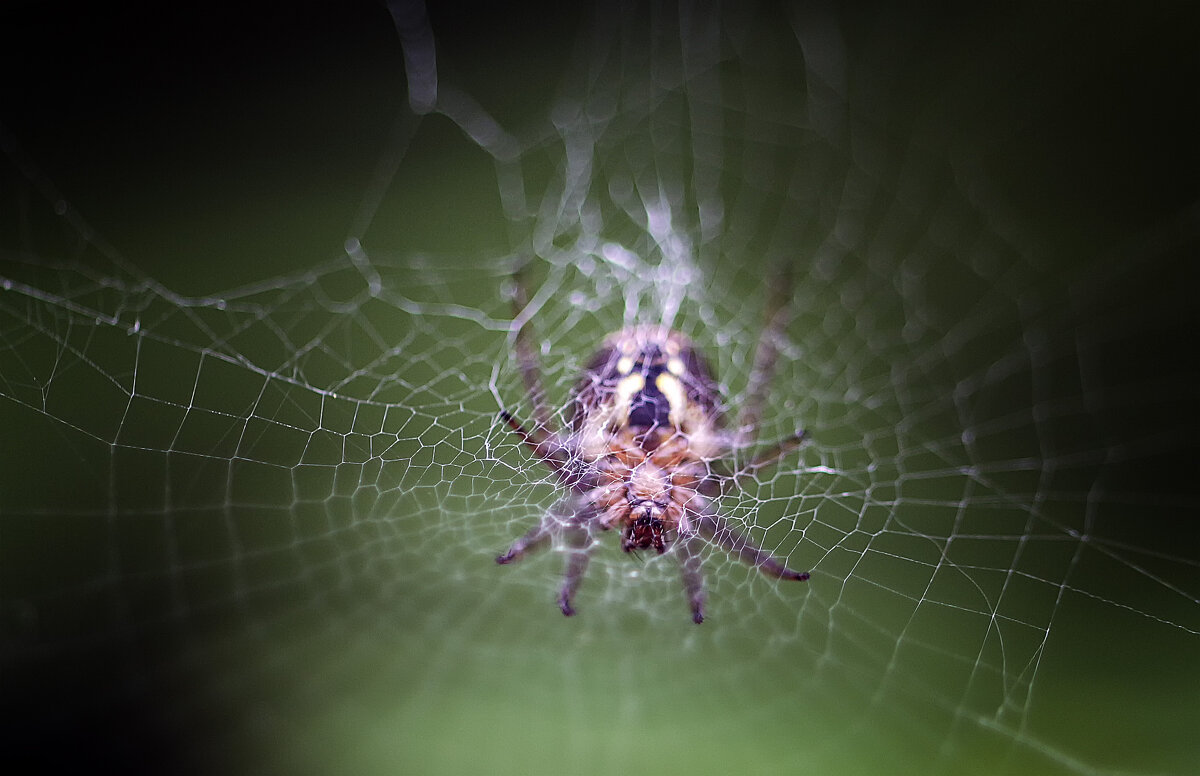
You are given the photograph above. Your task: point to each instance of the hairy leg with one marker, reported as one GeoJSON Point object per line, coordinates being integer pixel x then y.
{"type": "Point", "coordinates": [546, 448]}
{"type": "Point", "coordinates": [526, 357]}
{"type": "Point", "coordinates": [532, 540]}
{"type": "Point", "coordinates": [693, 578]}
{"type": "Point", "coordinates": [765, 355]}
{"type": "Point", "coordinates": [562, 521]}
{"type": "Point", "coordinates": [769, 457]}
{"type": "Point", "coordinates": [714, 526]}
{"type": "Point", "coordinates": [579, 551]}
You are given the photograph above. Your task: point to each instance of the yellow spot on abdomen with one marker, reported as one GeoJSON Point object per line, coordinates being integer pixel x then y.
{"type": "Point", "coordinates": [670, 387]}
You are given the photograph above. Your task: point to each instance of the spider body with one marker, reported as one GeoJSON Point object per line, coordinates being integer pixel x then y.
{"type": "Point", "coordinates": [645, 419]}
{"type": "Point", "coordinates": [642, 455]}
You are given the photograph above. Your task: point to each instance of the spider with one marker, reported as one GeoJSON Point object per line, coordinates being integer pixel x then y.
{"type": "Point", "coordinates": [641, 454]}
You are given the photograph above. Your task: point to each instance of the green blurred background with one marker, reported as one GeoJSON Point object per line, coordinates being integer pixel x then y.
{"type": "Point", "coordinates": [248, 509]}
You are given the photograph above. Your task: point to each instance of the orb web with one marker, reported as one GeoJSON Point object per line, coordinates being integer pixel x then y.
{"type": "Point", "coordinates": [288, 490]}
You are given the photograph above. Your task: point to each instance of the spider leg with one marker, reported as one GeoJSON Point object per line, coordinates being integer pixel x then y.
{"type": "Point", "coordinates": [578, 541]}
{"type": "Point", "coordinates": [769, 457]}
{"type": "Point", "coordinates": [693, 579]}
{"type": "Point", "coordinates": [526, 358]}
{"type": "Point", "coordinates": [546, 448]}
{"type": "Point", "coordinates": [765, 355]}
{"type": "Point", "coordinates": [577, 562]}
{"type": "Point", "coordinates": [777, 451]}
{"type": "Point", "coordinates": [532, 540]}
{"type": "Point", "coordinates": [714, 526]}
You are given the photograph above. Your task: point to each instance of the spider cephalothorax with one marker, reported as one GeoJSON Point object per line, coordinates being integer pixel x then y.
{"type": "Point", "coordinates": [645, 432]}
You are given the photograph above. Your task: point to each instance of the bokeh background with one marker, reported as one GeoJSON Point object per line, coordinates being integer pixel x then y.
{"type": "Point", "coordinates": [254, 337]}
